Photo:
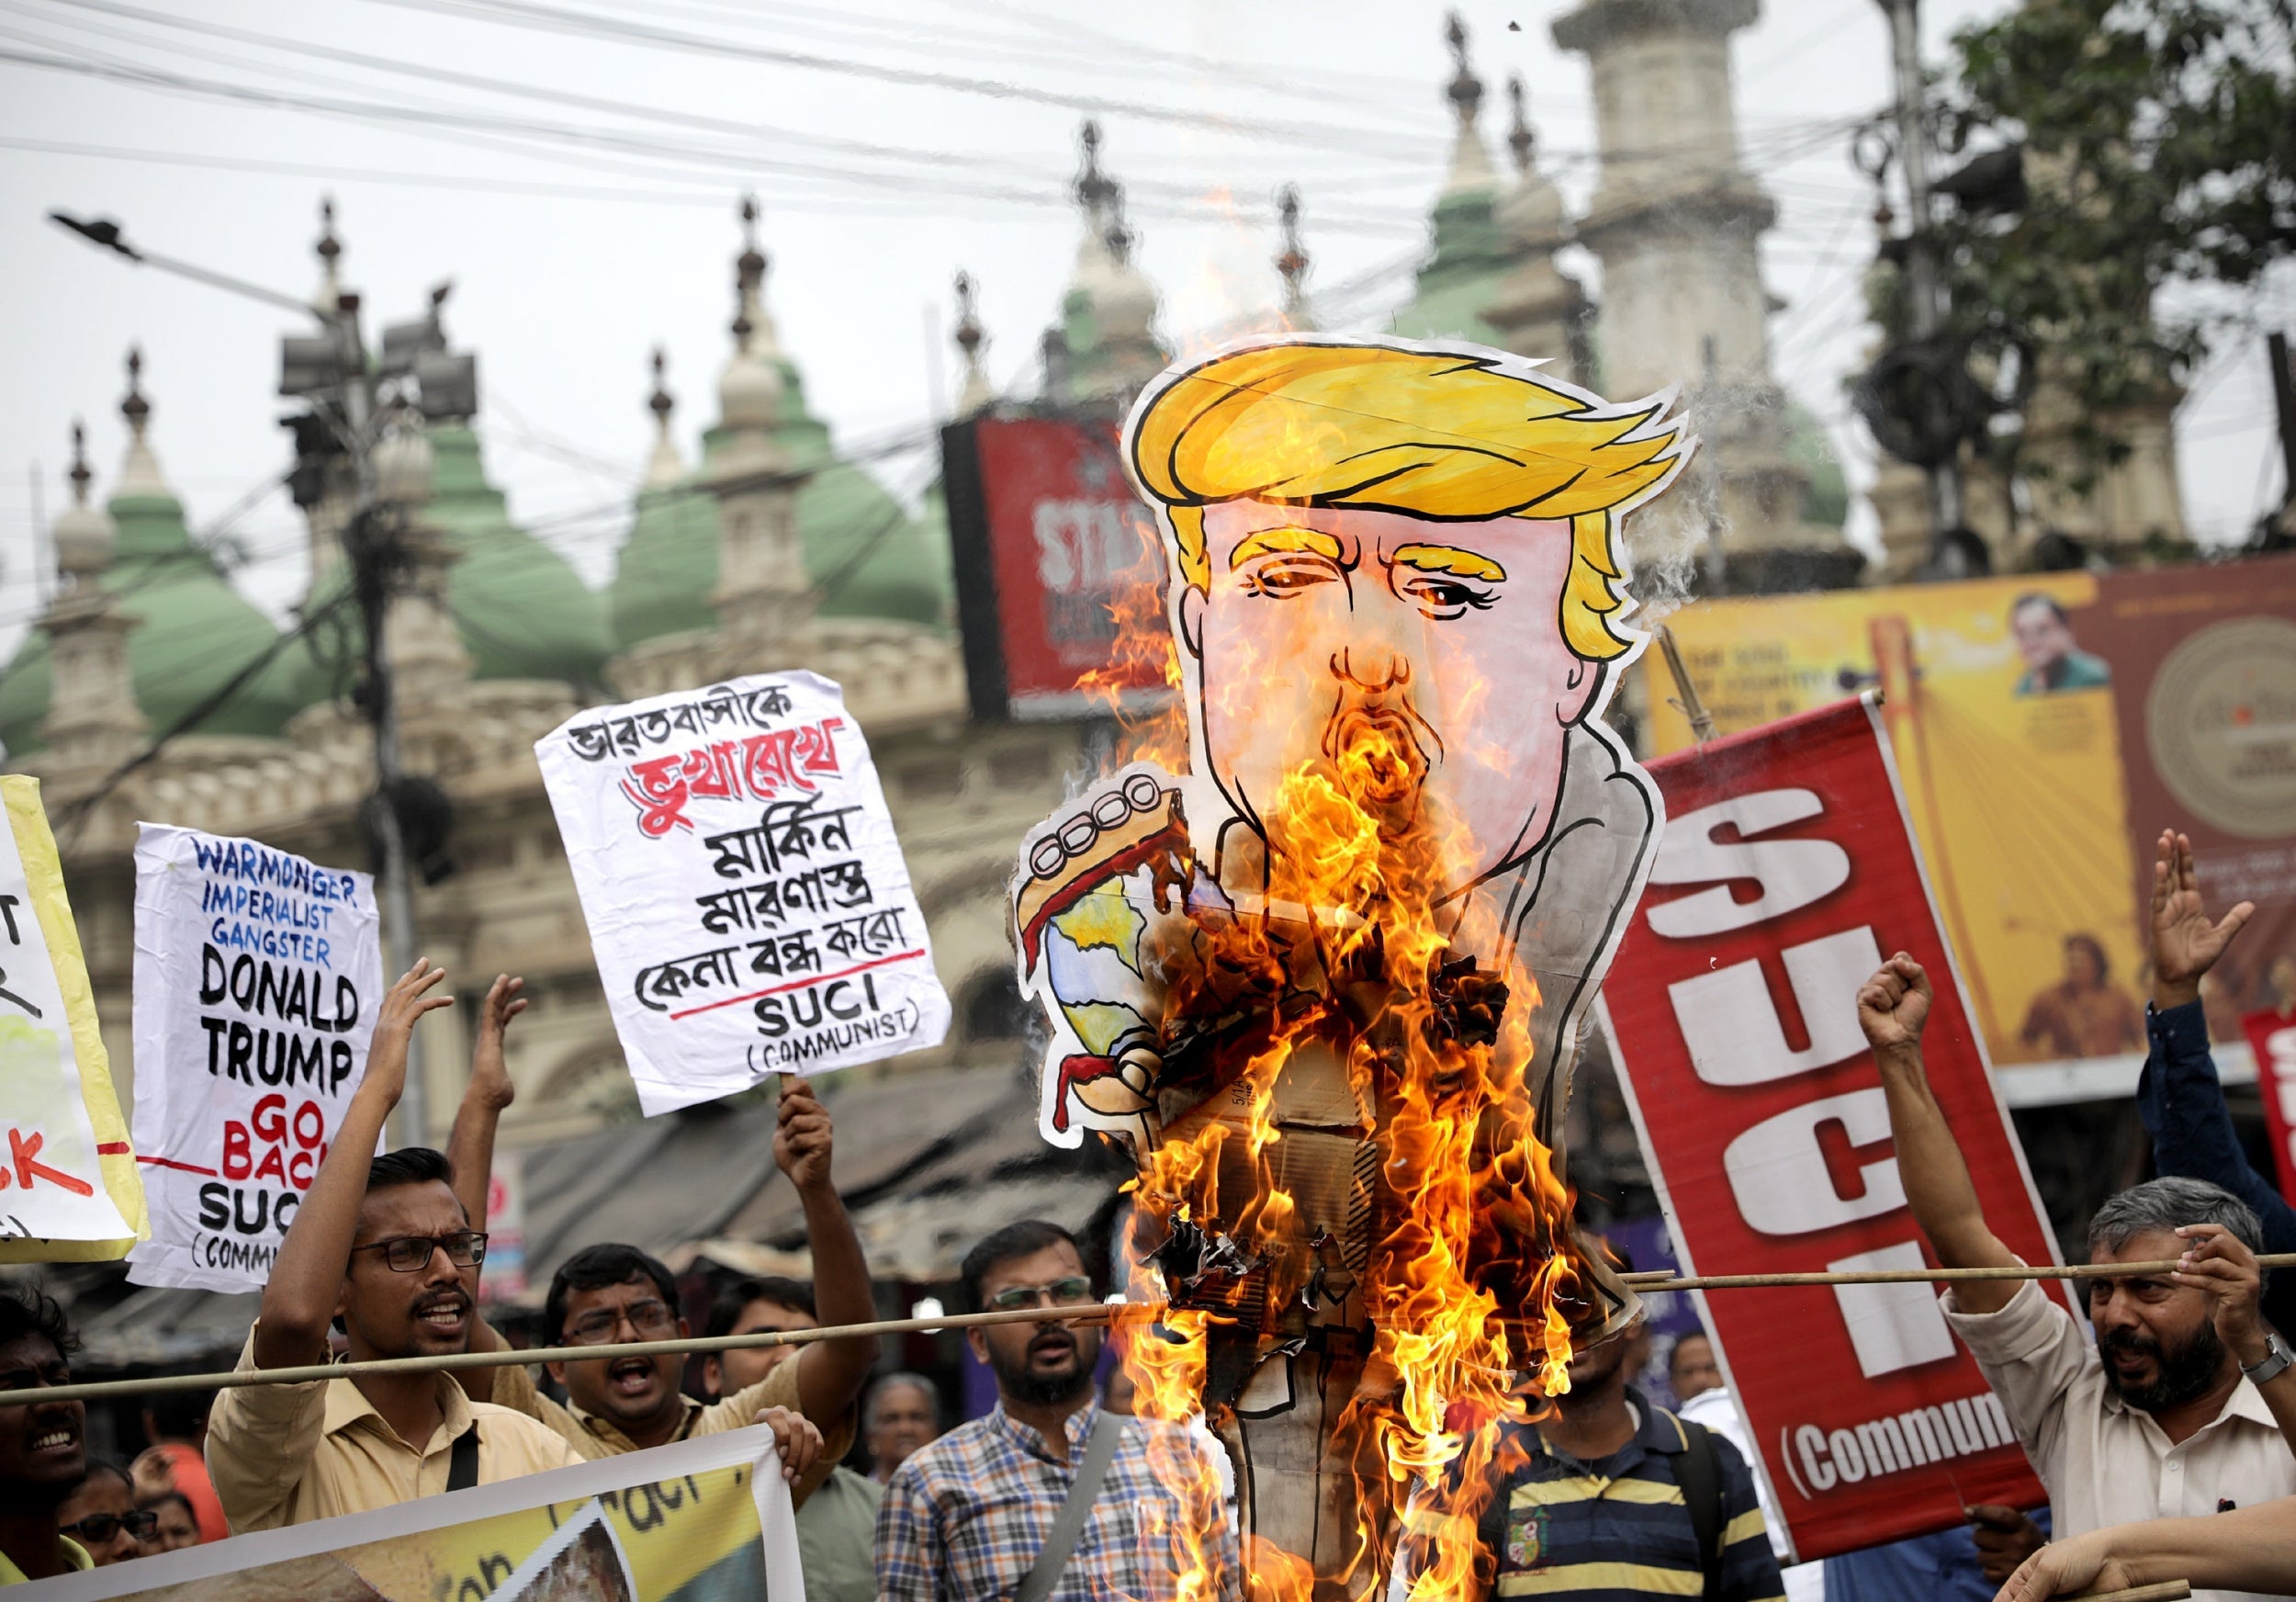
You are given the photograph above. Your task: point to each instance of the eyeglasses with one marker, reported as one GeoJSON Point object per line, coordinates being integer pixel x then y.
{"type": "Point", "coordinates": [651, 1320]}
{"type": "Point", "coordinates": [411, 1254]}
{"type": "Point", "coordinates": [1074, 1291]}
{"type": "Point", "coordinates": [100, 1528]}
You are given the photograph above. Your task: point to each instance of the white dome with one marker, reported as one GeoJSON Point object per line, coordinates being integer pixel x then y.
{"type": "Point", "coordinates": [750, 392]}
{"type": "Point", "coordinates": [84, 536]}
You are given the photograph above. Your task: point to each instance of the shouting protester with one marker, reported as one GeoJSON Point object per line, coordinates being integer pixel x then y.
{"type": "Point", "coordinates": [614, 1293]}
{"type": "Point", "coordinates": [2178, 1095]}
{"type": "Point", "coordinates": [43, 1455]}
{"type": "Point", "coordinates": [2164, 1415]}
{"type": "Point", "coordinates": [378, 1247]}
{"type": "Point", "coordinates": [985, 1512]}
{"type": "Point", "coordinates": [837, 1527]}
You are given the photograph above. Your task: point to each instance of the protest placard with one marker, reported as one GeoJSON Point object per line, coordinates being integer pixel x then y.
{"type": "Point", "coordinates": [68, 1185]}
{"type": "Point", "coordinates": [256, 979]}
{"type": "Point", "coordinates": [689, 1522]}
{"type": "Point", "coordinates": [2272, 1036]}
{"type": "Point", "coordinates": [1786, 872]}
{"type": "Point", "coordinates": [748, 906]}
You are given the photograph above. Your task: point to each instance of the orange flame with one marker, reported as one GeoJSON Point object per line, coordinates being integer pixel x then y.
{"type": "Point", "coordinates": [1473, 1263]}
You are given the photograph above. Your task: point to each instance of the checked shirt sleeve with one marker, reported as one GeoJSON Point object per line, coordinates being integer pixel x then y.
{"type": "Point", "coordinates": [908, 1540]}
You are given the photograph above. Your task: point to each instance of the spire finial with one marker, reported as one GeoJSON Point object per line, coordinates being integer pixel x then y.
{"type": "Point", "coordinates": [329, 247]}
{"type": "Point", "coordinates": [1118, 235]}
{"type": "Point", "coordinates": [1520, 139]}
{"type": "Point", "coordinates": [80, 474]}
{"type": "Point", "coordinates": [665, 468]}
{"type": "Point", "coordinates": [1094, 189]}
{"type": "Point", "coordinates": [974, 394]}
{"type": "Point", "coordinates": [1464, 90]}
{"type": "Point", "coordinates": [135, 408]}
{"type": "Point", "coordinates": [1292, 262]}
{"type": "Point", "coordinates": [749, 274]}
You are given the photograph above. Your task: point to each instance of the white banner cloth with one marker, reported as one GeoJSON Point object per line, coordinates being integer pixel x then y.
{"type": "Point", "coordinates": [748, 906]}
{"type": "Point", "coordinates": [257, 975]}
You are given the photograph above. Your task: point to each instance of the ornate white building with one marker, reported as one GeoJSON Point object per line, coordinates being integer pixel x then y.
{"type": "Point", "coordinates": [773, 551]}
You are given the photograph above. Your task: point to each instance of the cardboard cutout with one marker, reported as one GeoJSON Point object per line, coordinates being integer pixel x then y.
{"type": "Point", "coordinates": [1326, 984]}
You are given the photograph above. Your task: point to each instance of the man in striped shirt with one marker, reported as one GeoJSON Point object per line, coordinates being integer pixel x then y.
{"type": "Point", "coordinates": [966, 1517]}
{"type": "Point", "coordinates": [1597, 1505]}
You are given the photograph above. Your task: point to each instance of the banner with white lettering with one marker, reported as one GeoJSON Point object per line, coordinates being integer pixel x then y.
{"type": "Point", "coordinates": [2272, 1036]}
{"type": "Point", "coordinates": [68, 1185]}
{"type": "Point", "coordinates": [256, 979]}
{"type": "Point", "coordinates": [748, 902]}
{"type": "Point", "coordinates": [1786, 872]}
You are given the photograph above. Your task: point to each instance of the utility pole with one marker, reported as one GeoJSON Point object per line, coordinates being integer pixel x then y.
{"type": "Point", "coordinates": [1924, 276]}
{"type": "Point", "coordinates": [332, 372]}
{"type": "Point", "coordinates": [2284, 405]}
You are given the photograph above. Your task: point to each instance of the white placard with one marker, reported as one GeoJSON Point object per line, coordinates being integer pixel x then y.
{"type": "Point", "coordinates": [256, 980]}
{"type": "Point", "coordinates": [748, 906]}
{"type": "Point", "coordinates": [52, 1183]}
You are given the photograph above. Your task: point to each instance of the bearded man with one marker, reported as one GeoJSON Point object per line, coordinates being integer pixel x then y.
{"type": "Point", "coordinates": [2187, 1402]}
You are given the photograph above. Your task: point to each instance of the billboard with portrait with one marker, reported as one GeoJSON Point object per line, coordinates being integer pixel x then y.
{"type": "Point", "coordinates": [2047, 727]}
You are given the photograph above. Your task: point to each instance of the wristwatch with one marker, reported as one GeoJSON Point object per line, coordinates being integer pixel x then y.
{"type": "Point", "coordinates": [2277, 1359]}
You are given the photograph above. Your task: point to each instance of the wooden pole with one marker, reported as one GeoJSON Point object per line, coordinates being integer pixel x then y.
{"type": "Point", "coordinates": [1096, 1312]}
{"type": "Point", "coordinates": [1688, 704]}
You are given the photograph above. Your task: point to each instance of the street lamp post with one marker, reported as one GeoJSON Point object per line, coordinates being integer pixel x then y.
{"type": "Point", "coordinates": [370, 540]}
{"type": "Point", "coordinates": [1924, 276]}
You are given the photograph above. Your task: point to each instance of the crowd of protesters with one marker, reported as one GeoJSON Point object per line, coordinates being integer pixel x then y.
{"type": "Point", "coordinates": [2165, 1433]}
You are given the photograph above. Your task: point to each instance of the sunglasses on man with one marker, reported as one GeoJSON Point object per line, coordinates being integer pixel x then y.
{"type": "Point", "coordinates": [100, 1528]}
{"type": "Point", "coordinates": [411, 1254]}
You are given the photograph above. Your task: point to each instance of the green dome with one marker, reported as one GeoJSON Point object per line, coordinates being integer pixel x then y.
{"type": "Point", "coordinates": [197, 635]}
{"type": "Point", "coordinates": [668, 566]}
{"type": "Point", "coordinates": [1462, 278]}
{"type": "Point", "coordinates": [523, 612]}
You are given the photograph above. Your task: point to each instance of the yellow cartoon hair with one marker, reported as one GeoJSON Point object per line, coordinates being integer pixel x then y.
{"type": "Point", "coordinates": [1435, 434]}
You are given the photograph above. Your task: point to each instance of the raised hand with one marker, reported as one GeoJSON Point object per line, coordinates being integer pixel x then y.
{"type": "Point", "coordinates": [2215, 1262]}
{"type": "Point", "coordinates": [802, 1142]}
{"type": "Point", "coordinates": [489, 1079]}
{"type": "Point", "coordinates": [403, 1006]}
{"type": "Point", "coordinates": [2184, 944]}
{"type": "Point", "coordinates": [799, 1440]}
{"type": "Point", "coordinates": [1893, 1005]}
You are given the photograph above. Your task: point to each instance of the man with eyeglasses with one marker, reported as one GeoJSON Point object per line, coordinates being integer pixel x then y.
{"type": "Point", "coordinates": [377, 1249]}
{"type": "Point", "coordinates": [616, 1292]}
{"type": "Point", "coordinates": [968, 1517]}
{"type": "Point", "coordinates": [43, 1452]}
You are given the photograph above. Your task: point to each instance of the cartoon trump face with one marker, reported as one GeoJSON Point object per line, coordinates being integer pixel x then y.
{"type": "Point", "coordinates": [1397, 567]}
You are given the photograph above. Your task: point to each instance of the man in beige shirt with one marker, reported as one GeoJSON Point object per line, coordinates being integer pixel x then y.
{"type": "Point", "coordinates": [2160, 1416]}
{"type": "Point", "coordinates": [377, 1245]}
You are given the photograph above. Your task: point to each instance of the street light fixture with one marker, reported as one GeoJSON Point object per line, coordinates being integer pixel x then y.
{"type": "Point", "coordinates": [331, 371]}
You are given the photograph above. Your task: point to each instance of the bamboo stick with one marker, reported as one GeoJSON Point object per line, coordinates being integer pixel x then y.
{"type": "Point", "coordinates": [1662, 1280]}
{"type": "Point", "coordinates": [451, 1362]}
{"type": "Point", "coordinates": [2160, 1591]}
{"type": "Point", "coordinates": [1096, 1312]}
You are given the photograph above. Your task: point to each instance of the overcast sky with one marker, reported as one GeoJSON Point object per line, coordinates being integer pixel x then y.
{"type": "Point", "coordinates": [578, 186]}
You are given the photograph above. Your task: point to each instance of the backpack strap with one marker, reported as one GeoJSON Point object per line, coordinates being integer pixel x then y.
{"type": "Point", "coordinates": [1068, 1524]}
{"type": "Point", "coordinates": [1699, 1470]}
{"type": "Point", "coordinates": [462, 1466]}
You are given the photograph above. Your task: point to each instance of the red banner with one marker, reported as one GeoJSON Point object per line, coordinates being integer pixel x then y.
{"type": "Point", "coordinates": [2272, 1036]}
{"type": "Point", "coordinates": [1786, 872]}
{"type": "Point", "coordinates": [1051, 544]}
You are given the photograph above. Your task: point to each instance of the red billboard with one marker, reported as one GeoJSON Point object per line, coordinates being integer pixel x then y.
{"type": "Point", "coordinates": [1052, 548]}
{"type": "Point", "coordinates": [1786, 872]}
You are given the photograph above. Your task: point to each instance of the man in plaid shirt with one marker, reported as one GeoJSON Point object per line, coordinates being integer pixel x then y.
{"type": "Point", "coordinates": [964, 1518]}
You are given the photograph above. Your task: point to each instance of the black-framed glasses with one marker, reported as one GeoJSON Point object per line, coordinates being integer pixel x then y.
{"type": "Point", "coordinates": [100, 1528]}
{"type": "Point", "coordinates": [1073, 1291]}
{"type": "Point", "coordinates": [411, 1254]}
{"type": "Point", "coordinates": [651, 1320]}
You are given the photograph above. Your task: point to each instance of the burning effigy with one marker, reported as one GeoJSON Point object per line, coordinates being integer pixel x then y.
{"type": "Point", "coordinates": [1326, 983]}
